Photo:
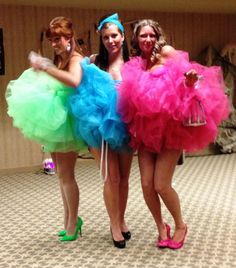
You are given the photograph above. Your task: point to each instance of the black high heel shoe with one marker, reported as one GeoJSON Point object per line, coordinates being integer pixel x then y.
{"type": "Point", "coordinates": [126, 235]}
{"type": "Point", "coordinates": [118, 244]}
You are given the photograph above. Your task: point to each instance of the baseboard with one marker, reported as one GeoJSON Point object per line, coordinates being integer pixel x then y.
{"type": "Point", "coordinates": [33, 169]}
{"type": "Point", "coordinates": [9, 171]}
{"type": "Point", "coordinates": [211, 149]}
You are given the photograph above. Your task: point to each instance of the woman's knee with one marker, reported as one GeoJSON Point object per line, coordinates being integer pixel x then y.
{"type": "Point", "coordinates": [147, 187]}
{"type": "Point", "coordinates": [112, 180]}
{"type": "Point", "coordinates": [124, 181]}
{"type": "Point", "coordinates": [66, 176]}
{"type": "Point", "coordinates": [162, 188]}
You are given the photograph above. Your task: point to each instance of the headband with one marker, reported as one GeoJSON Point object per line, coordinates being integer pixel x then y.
{"type": "Point", "coordinates": [112, 19]}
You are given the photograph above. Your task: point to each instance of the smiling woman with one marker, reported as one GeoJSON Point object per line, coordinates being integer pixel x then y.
{"type": "Point", "coordinates": [179, 104]}
{"type": "Point", "coordinates": [100, 125]}
{"type": "Point", "coordinates": [113, 53]}
{"type": "Point", "coordinates": [38, 103]}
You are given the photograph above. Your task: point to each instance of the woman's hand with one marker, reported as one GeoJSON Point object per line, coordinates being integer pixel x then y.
{"type": "Point", "coordinates": [39, 63]}
{"type": "Point", "coordinates": [191, 78]}
{"type": "Point", "coordinates": [70, 77]}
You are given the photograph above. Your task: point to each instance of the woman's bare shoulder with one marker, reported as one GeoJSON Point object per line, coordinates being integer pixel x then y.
{"type": "Point", "coordinates": [168, 51]}
{"type": "Point", "coordinates": [93, 58]}
{"type": "Point", "coordinates": [76, 57]}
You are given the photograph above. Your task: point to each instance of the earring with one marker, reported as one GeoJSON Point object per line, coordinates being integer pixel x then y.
{"type": "Point", "coordinates": [68, 48]}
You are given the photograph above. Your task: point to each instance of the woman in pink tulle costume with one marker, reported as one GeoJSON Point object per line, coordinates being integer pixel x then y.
{"type": "Point", "coordinates": [169, 105]}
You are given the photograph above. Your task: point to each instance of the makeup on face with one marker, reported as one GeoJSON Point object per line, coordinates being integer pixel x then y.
{"type": "Point", "coordinates": [112, 38]}
{"type": "Point", "coordinates": [59, 44]}
{"type": "Point", "coordinates": [147, 39]}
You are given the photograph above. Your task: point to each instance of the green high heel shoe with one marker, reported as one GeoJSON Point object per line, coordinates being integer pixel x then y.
{"type": "Point", "coordinates": [63, 232]}
{"type": "Point", "coordinates": [77, 230]}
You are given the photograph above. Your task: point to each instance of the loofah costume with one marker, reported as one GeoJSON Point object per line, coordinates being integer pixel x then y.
{"type": "Point", "coordinates": [94, 107]}
{"type": "Point", "coordinates": [38, 104]}
{"type": "Point", "coordinates": [162, 112]}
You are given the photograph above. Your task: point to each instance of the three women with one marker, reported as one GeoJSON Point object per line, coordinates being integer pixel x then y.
{"type": "Point", "coordinates": [168, 103]}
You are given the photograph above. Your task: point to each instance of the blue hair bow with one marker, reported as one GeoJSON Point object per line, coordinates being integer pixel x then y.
{"type": "Point", "coordinates": [112, 19]}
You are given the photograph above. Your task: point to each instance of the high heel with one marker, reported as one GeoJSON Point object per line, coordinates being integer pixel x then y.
{"type": "Point", "coordinates": [164, 243]}
{"type": "Point", "coordinates": [78, 229]}
{"type": "Point", "coordinates": [126, 235]}
{"type": "Point", "coordinates": [177, 245]}
{"type": "Point", "coordinates": [118, 244]}
{"type": "Point", "coordinates": [63, 232]}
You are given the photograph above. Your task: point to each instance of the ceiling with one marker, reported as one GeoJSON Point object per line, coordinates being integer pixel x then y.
{"type": "Point", "coordinates": [193, 6]}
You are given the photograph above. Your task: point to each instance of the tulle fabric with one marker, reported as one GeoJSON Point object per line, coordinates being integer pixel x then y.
{"type": "Point", "coordinates": [38, 104]}
{"type": "Point", "coordinates": [94, 107]}
{"type": "Point", "coordinates": [155, 105]}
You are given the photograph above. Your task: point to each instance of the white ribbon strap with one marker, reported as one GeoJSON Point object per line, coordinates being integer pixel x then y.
{"type": "Point", "coordinates": [106, 160]}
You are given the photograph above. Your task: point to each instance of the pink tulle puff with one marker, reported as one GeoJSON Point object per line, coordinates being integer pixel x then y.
{"type": "Point", "coordinates": [162, 112]}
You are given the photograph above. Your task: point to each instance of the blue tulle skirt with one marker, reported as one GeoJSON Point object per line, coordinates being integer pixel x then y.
{"type": "Point", "coordinates": [94, 108]}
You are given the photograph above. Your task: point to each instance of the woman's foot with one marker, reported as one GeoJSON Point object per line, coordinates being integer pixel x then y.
{"type": "Point", "coordinates": [74, 236]}
{"type": "Point", "coordinates": [164, 238]}
{"type": "Point", "coordinates": [62, 233]}
{"type": "Point", "coordinates": [177, 241]}
{"type": "Point", "coordinates": [119, 244]}
{"type": "Point", "coordinates": [118, 240]}
{"type": "Point", "coordinates": [125, 231]}
{"type": "Point", "coordinates": [126, 235]}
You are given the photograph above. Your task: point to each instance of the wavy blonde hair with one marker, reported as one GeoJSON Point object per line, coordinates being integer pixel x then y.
{"type": "Point", "coordinates": [161, 41]}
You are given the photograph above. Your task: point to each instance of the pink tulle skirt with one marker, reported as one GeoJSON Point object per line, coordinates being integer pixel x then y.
{"type": "Point", "coordinates": [162, 112]}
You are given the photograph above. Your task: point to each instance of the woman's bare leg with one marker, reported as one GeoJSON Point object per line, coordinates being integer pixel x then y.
{"type": "Point", "coordinates": [147, 162]}
{"type": "Point", "coordinates": [125, 161]}
{"type": "Point", "coordinates": [65, 163]}
{"type": "Point", "coordinates": [165, 166]}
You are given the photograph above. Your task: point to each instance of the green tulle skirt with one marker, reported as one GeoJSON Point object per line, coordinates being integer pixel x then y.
{"type": "Point", "coordinates": [38, 105]}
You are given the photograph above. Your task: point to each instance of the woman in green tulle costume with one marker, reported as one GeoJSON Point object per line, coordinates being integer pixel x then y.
{"type": "Point", "coordinates": [38, 103]}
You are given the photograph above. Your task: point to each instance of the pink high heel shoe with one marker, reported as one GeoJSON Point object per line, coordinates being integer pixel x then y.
{"type": "Point", "coordinates": [177, 245]}
{"type": "Point", "coordinates": [163, 243]}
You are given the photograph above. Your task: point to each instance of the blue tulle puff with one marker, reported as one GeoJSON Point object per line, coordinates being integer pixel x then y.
{"type": "Point", "coordinates": [94, 107]}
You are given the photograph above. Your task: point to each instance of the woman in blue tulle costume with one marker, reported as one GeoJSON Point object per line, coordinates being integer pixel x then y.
{"type": "Point", "coordinates": [169, 104]}
{"type": "Point", "coordinates": [99, 124]}
{"type": "Point", "coordinates": [38, 104]}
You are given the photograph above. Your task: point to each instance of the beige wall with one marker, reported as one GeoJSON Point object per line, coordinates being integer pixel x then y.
{"type": "Point", "coordinates": [21, 29]}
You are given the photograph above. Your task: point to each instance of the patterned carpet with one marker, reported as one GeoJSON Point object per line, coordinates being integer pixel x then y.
{"type": "Point", "coordinates": [31, 216]}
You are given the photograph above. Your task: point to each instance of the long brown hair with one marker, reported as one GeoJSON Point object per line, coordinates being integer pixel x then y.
{"type": "Point", "coordinates": [62, 26]}
{"type": "Point", "coordinates": [161, 41]}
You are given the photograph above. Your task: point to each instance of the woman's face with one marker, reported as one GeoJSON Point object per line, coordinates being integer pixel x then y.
{"type": "Point", "coordinates": [112, 39]}
{"type": "Point", "coordinates": [59, 44]}
{"type": "Point", "coordinates": [147, 39]}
